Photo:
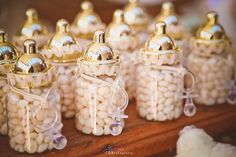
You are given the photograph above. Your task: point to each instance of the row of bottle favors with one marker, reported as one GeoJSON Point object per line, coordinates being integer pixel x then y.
{"type": "Point", "coordinates": [86, 76]}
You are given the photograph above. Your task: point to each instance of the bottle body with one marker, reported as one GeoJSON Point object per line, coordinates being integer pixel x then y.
{"type": "Point", "coordinates": [158, 92]}
{"type": "Point", "coordinates": [66, 84]}
{"type": "Point", "coordinates": [128, 71]}
{"type": "Point", "coordinates": [99, 103]}
{"type": "Point", "coordinates": [213, 73]}
{"type": "Point", "coordinates": [34, 115]}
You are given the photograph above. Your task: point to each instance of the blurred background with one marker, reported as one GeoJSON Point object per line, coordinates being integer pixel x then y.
{"type": "Point", "coordinates": [12, 12]}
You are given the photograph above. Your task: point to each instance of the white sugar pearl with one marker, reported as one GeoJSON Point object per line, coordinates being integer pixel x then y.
{"type": "Point", "coordinates": [85, 113]}
{"type": "Point", "coordinates": [19, 148]}
{"type": "Point", "coordinates": [178, 112]}
{"type": "Point", "coordinates": [214, 94]}
{"type": "Point", "coordinates": [168, 109]}
{"type": "Point", "coordinates": [142, 112]}
{"type": "Point", "coordinates": [31, 147]}
{"type": "Point", "coordinates": [170, 115]}
{"type": "Point", "coordinates": [107, 130]}
{"type": "Point", "coordinates": [63, 79]}
{"type": "Point", "coordinates": [39, 138]}
{"type": "Point", "coordinates": [168, 78]}
{"type": "Point", "coordinates": [98, 131]}
{"type": "Point", "coordinates": [4, 129]}
{"type": "Point", "coordinates": [169, 101]}
{"type": "Point", "coordinates": [12, 142]}
{"type": "Point", "coordinates": [82, 121]}
{"type": "Point", "coordinates": [171, 87]}
{"type": "Point", "coordinates": [18, 129]}
{"type": "Point", "coordinates": [88, 123]}
{"type": "Point", "coordinates": [86, 130]}
{"type": "Point", "coordinates": [150, 117]}
{"type": "Point", "coordinates": [100, 122]}
{"type": "Point", "coordinates": [42, 148]}
{"type": "Point", "coordinates": [102, 114]}
{"type": "Point", "coordinates": [210, 101]}
{"type": "Point", "coordinates": [161, 116]}
{"type": "Point", "coordinates": [163, 83]}
{"type": "Point", "coordinates": [108, 121]}
{"type": "Point", "coordinates": [160, 107]}
{"type": "Point", "coordinates": [69, 114]}
{"type": "Point", "coordinates": [20, 139]}
{"type": "Point", "coordinates": [162, 89]}
{"type": "Point", "coordinates": [221, 100]}
{"type": "Point", "coordinates": [102, 107]}
{"type": "Point", "coordinates": [161, 101]}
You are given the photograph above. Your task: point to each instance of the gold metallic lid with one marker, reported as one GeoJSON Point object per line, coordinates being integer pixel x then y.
{"type": "Point", "coordinates": [136, 16]}
{"type": "Point", "coordinates": [86, 18]}
{"type": "Point", "coordinates": [63, 37]}
{"type": "Point", "coordinates": [30, 62]}
{"type": "Point", "coordinates": [211, 30]}
{"type": "Point", "coordinates": [33, 25]}
{"type": "Point", "coordinates": [99, 51]}
{"type": "Point", "coordinates": [118, 28]}
{"type": "Point", "coordinates": [8, 52]}
{"type": "Point", "coordinates": [169, 16]}
{"type": "Point", "coordinates": [160, 41]}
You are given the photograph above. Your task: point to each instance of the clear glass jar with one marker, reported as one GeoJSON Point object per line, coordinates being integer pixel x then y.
{"type": "Point", "coordinates": [125, 42]}
{"type": "Point", "coordinates": [62, 53]}
{"type": "Point", "coordinates": [8, 56]}
{"type": "Point", "coordinates": [161, 80]}
{"type": "Point", "coordinates": [214, 73]}
{"type": "Point", "coordinates": [100, 94]}
{"type": "Point", "coordinates": [33, 105]}
{"type": "Point", "coordinates": [211, 62]}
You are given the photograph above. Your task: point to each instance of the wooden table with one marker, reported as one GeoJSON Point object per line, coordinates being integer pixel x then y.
{"type": "Point", "coordinates": [140, 137]}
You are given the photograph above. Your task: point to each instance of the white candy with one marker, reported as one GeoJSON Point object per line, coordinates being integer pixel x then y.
{"type": "Point", "coordinates": [158, 103]}
{"type": "Point", "coordinates": [93, 110]}
{"type": "Point", "coordinates": [66, 83]}
{"type": "Point", "coordinates": [212, 77]}
{"type": "Point", "coordinates": [27, 138]}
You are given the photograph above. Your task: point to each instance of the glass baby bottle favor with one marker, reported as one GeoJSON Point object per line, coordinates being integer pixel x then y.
{"type": "Point", "coordinates": [8, 56]}
{"type": "Point", "coordinates": [33, 28]}
{"type": "Point", "coordinates": [137, 18]}
{"type": "Point", "coordinates": [86, 23]}
{"type": "Point", "coordinates": [175, 28]}
{"type": "Point", "coordinates": [160, 80]}
{"type": "Point", "coordinates": [211, 62]}
{"type": "Point", "coordinates": [62, 52]}
{"type": "Point", "coordinates": [125, 42]}
{"type": "Point", "coordinates": [33, 104]}
{"type": "Point", "coordinates": [101, 97]}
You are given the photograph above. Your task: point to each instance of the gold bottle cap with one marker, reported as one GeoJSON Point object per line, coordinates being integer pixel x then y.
{"type": "Point", "coordinates": [63, 37]}
{"type": "Point", "coordinates": [169, 16]}
{"type": "Point", "coordinates": [118, 28]}
{"type": "Point", "coordinates": [160, 40]}
{"type": "Point", "coordinates": [87, 18]}
{"type": "Point", "coordinates": [211, 30]}
{"type": "Point", "coordinates": [99, 51]}
{"type": "Point", "coordinates": [33, 25]}
{"type": "Point", "coordinates": [30, 62]}
{"type": "Point", "coordinates": [8, 52]}
{"type": "Point", "coordinates": [136, 16]}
